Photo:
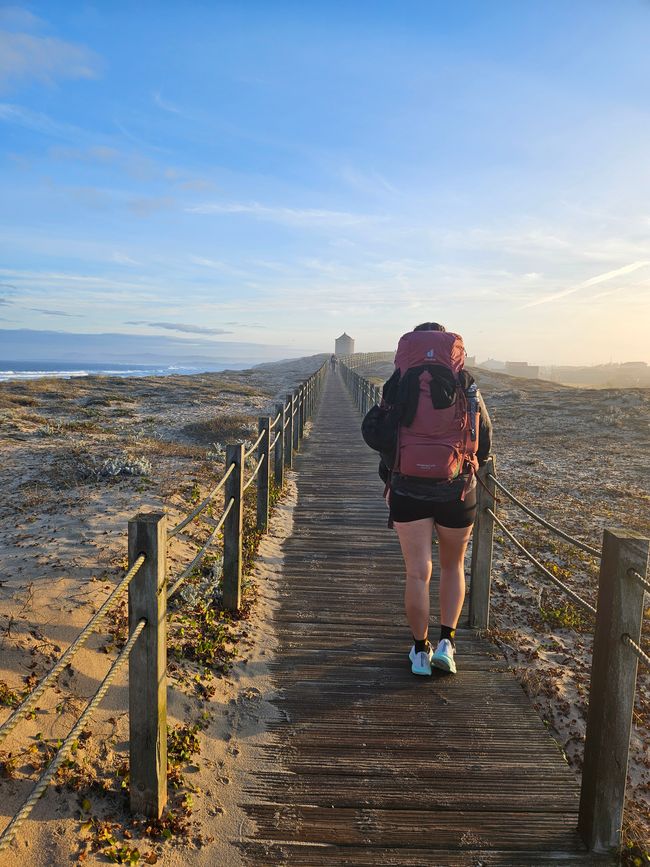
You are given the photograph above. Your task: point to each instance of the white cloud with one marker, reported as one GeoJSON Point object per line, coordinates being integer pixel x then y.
{"type": "Point", "coordinates": [44, 58]}
{"type": "Point", "coordinates": [290, 216]}
{"type": "Point", "coordinates": [123, 259]}
{"type": "Point", "coordinates": [592, 281]}
{"type": "Point", "coordinates": [17, 18]}
{"type": "Point", "coordinates": [164, 104]}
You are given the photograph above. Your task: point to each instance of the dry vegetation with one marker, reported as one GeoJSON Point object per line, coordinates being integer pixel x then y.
{"type": "Point", "coordinates": [579, 457]}
{"type": "Point", "coordinates": [79, 458]}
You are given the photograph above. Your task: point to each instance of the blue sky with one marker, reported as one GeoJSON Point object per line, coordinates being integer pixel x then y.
{"type": "Point", "coordinates": [279, 172]}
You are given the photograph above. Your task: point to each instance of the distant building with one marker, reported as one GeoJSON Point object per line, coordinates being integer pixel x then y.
{"type": "Point", "coordinates": [344, 345]}
{"type": "Point", "coordinates": [493, 364]}
{"type": "Point", "coordinates": [522, 368]}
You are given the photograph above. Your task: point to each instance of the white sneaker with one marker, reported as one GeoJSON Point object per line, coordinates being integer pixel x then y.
{"type": "Point", "coordinates": [443, 657]}
{"type": "Point", "coordinates": [421, 662]}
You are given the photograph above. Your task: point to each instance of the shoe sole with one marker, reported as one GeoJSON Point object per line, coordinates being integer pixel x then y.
{"type": "Point", "coordinates": [444, 664]}
{"type": "Point", "coordinates": [421, 672]}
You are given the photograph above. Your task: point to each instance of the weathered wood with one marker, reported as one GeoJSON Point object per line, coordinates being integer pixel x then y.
{"type": "Point", "coordinates": [288, 443]}
{"type": "Point", "coordinates": [232, 529]}
{"type": "Point", "coordinates": [263, 475]}
{"type": "Point", "coordinates": [278, 462]}
{"type": "Point", "coordinates": [611, 694]}
{"type": "Point", "coordinates": [481, 570]}
{"type": "Point", "coordinates": [362, 756]}
{"type": "Point", "coordinates": [295, 408]}
{"type": "Point", "coordinates": [147, 667]}
{"type": "Point", "coordinates": [302, 412]}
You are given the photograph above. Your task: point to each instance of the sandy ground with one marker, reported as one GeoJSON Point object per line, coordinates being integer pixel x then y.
{"type": "Point", "coordinates": [579, 457]}
{"type": "Point", "coordinates": [62, 549]}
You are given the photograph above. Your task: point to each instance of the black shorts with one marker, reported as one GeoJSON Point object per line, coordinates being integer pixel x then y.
{"type": "Point", "coordinates": [454, 513]}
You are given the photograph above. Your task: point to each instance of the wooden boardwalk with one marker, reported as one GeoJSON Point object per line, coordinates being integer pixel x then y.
{"type": "Point", "coordinates": [371, 765]}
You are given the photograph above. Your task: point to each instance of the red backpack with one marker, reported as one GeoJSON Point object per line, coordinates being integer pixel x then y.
{"type": "Point", "coordinates": [437, 435]}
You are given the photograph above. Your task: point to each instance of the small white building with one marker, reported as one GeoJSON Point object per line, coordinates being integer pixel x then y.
{"type": "Point", "coordinates": [344, 345]}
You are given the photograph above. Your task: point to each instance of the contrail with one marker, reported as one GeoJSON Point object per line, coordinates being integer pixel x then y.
{"type": "Point", "coordinates": [592, 281]}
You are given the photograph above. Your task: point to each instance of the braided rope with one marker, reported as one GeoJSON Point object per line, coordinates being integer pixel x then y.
{"type": "Point", "coordinates": [28, 703]}
{"type": "Point", "coordinates": [286, 424]}
{"type": "Point", "coordinates": [192, 515]}
{"type": "Point", "coordinates": [275, 420]}
{"type": "Point", "coordinates": [10, 831]}
{"type": "Point", "coordinates": [255, 445]}
{"type": "Point", "coordinates": [579, 601]}
{"type": "Point", "coordinates": [542, 521]}
{"type": "Point", "coordinates": [255, 472]}
{"type": "Point", "coordinates": [277, 437]}
{"type": "Point", "coordinates": [642, 655]}
{"type": "Point", "coordinates": [177, 583]}
{"type": "Point", "coordinates": [638, 577]}
{"type": "Point", "coordinates": [297, 407]}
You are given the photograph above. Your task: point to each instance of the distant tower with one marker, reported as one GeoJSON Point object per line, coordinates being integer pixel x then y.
{"type": "Point", "coordinates": [344, 345]}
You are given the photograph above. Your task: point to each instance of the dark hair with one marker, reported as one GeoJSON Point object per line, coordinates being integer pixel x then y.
{"type": "Point", "coordinates": [429, 326]}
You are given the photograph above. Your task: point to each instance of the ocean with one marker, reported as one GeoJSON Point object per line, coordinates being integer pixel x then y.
{"type": "Point", "coordinates": [20, 370]}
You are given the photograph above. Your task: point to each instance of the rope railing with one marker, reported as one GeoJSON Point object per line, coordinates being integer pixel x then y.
{"type": "Point", "coordinates": [29, 702]}
{"type": "Point", "coordinates": [255, 445]}
{"type": "Point", "coordinates": [275, 420]}
{"type": "Point", "coordinates": [582, 545]}
{"type": "Point", "coordinates": [202, 505]}
{"type": "Point", "coordinates": [275, 439]}
{"type": "Point", "coordinates": [67, 745]}
{"type": "Point", "coordinates": [638, 577]}
{"type": "Point", "coordinates": [254, 474]}
{"type": "Point", "coordinates": [187, 571]}
{"type": "Point", "coordinates": [641, 655]}
{"type": "Point", "coordinates": [578, 600]}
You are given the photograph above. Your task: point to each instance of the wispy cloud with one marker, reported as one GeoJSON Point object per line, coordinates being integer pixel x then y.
{"type": "Point", "coordinates": [366, 182]}
{"type": "Point", "coordinates": [164, 104]}
{"type": "Point", "coordinates": [17, 18]}
{"type": "Point", "coordinates": [180, 326]}
{"type": "Point", "coordinates": [39, 122]}
{"type": "Point", "coordinates": [123, 259]}
{"type": "Point", "coordinates": [592, 281]}
{"type": "Point", "coordinates": [43, 58]}
{"type": "Point", "coordinates": [289, 216]}
{"type": "Point", "coordinates": [54, 312]}
{"type": "Point", "coordinates": [96, 153]}
{"type": "Point", "coordinates": [144, 206]}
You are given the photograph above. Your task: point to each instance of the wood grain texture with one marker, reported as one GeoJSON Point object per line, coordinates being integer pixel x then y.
{"type": "Point", "coordinates": [367, 764]}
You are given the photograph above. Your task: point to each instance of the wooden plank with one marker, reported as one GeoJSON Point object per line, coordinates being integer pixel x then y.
{"type": "Point", "coordinates": [262, 854]}
{"type": "Point", "coordinates": [148, 666]}
{"type": "Point", "coordinates": [366, 764]}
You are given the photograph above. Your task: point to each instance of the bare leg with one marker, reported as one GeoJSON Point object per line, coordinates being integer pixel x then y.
{"type": "Point", "coordinates": [452, 546]}
{"type": "Point", "coordinates": [415, 538]}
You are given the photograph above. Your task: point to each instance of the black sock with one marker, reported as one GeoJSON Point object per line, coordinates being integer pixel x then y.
{"type": "Point", "coordinates": [421, 645]}
{"type": "Point", "coordinates": [448, 633]}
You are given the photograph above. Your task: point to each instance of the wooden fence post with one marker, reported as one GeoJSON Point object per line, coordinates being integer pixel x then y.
{"type": "Point", "coordinates": [479, 589]}
{"type": "Point", "coordinates": [278, 463]}
{"type": "Point", "coordinates": [263, 475]}
{"type": "Point", "coordinates": [288, 443]}
{"type": "Point", "coordinates": [302, 412]}
{"type": "Point", "coordinates": [295, 407]}
{"type": "Point", "coordinates": [611, 692]}
{"type": "Point", "coordinates": [148, 666]}
{"type": "Point", "coordinates": [232, 529]}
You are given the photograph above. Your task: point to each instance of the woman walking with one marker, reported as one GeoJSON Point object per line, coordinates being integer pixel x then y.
{"type": "Point", "coordinates": [444, 434]}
